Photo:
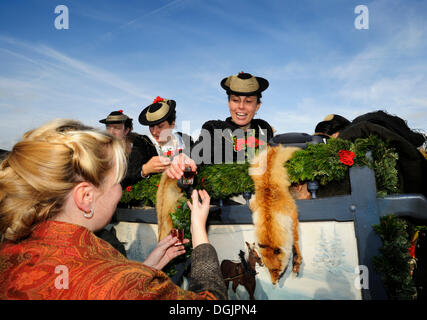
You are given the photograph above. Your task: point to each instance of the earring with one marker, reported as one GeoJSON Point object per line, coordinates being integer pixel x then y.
{"type": "Point", "coordinates": [88, 215]}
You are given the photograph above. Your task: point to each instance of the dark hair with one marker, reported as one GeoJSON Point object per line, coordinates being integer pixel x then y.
{"type": "Point", "coordinates": [128, 124]}
{"type": "Point", "coordinates": [172, 117]}
{"type": "Point", "coordinates": [258, 96]}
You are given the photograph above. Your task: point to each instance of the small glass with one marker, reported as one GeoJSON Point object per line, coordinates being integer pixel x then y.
{"type": "Point", "coordinates": [188, 178]}
{"type": "Point", "coordinates": [179, 234]}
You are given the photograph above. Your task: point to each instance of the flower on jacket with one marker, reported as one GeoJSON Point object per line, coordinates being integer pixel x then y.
{"type": "Point", "coordinates": [250, 142]}
{"type": "Point", "coordinates": [346, 157]}
{"type": "Point", "coordinates": [128, 189]}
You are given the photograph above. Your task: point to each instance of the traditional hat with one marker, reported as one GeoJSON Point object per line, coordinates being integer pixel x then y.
{"type": "Point", "coordinates": [157, 112]}
{"type": "Point", "coordinates": [115, 117]}
{"type": "Point", "coordinates": [244, 84]}
{"type": "Point", "coordinates": [331, 123]}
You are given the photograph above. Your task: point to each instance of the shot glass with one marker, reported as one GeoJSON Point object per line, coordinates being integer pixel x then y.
{"type": "Point", "coordinates": [179, 234]}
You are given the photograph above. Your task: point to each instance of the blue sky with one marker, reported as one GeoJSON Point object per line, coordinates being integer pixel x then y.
{"type": "Point", "coordinates": [122, 54]}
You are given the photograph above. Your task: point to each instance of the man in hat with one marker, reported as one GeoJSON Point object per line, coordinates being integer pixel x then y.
{"type": "Point", "coordinates": [238, 137]}
{"type": "Point", "coordinates": [120, 125]}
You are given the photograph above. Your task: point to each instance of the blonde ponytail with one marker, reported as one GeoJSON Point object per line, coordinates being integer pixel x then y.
{"type": "Point", "coordinates": [42, 169]}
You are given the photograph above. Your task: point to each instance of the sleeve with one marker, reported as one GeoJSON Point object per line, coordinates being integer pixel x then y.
{"type": "Point", "coordinates": [205, 274]}
{"type": "Point", "coordinates": [136, 281]}
{"type": "Point", "coordinates": [139, 155]}
{"type": "Point", "coordinates": [208, 129]}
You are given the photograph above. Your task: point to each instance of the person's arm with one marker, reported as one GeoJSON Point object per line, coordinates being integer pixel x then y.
{"type": "Point", "coordinates": [205, 274]}
{"type": "Point", "coordinates": [178, 164]}
{"type": "Point", "coordinates": [164, 252]}
{"type": "Point", "coordinates": [156, 164]}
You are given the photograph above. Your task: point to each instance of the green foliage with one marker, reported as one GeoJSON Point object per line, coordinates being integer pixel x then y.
{"type": "Point", "coordinates": [394, 258]}
{"type": "Point", "coordinates": [318, 162]}
{"type": "Point", "coordinates": [143, 192]}
{"type": "Point", "coordinates": [225, 180]}
{"type": "Point", "coordinates": [181, 219]}
{"type": "Point", "coordinates": [321, 162]}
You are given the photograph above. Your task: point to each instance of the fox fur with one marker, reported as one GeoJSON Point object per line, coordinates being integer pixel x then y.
{"type": "Point", "coordinates": [274, 211]}
{"type": "Point", "coordinates": [167, 197]}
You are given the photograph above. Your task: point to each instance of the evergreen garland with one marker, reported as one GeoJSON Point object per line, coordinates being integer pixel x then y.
{"type": "Point", "coordinates": [394, 260]}
{"type": "Point", "coordinates": [321, 162]}
{"type": "Point", "coordinates": [142, 193]}
{"type": "Point", "coordinates": [222, 181]}
{"type": "Point", "coordinates": [181, 219]}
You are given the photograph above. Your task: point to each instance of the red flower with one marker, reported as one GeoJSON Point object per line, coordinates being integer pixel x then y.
{"type": "Point", "coordinates": [240, 143]}
{"type": "Point", "coordinates": [129, 188]}
{"type": "Point", "coordinates": [121, 111]}
{"type": "Point", "coordinates": [412, 251]}
{"type": "Point", "coordinates": [253, 142]}
{"type": "Point", "coordinates": [157, 185]}
{"type": "Point", "coordinates": [179, 207]}
{"type": "Point", "coordinates": [346, 157]}
{"type": "Point", "coordinates": [203, 182]}
{"type": "Point", "coordinates": [158, 99]}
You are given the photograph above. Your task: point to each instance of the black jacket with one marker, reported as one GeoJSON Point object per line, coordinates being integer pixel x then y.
{"type": "Point", "coordinates": [220, 148]}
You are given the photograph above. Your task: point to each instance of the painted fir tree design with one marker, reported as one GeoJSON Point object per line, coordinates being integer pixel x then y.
{"type": "Point", "coordinates": [330, 253]}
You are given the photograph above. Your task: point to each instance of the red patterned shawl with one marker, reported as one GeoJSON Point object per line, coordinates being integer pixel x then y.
{"type": "Point", "coordinates": [58, 255]}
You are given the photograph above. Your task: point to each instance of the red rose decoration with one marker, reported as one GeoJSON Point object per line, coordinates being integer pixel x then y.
{"type": "Point", "coordinates": [346, 157]}
{"type": "Point", "coordinates": [121, 111]}
{"type": "Point", "coordinates": [253, 142]}
{"type": "Point", "coordinates": [412, 251]}
{"type": "Point", "coordinates": [240, 143]}
{"type": "Point", "coordinates": [128, 189]}
{"type": "Point", "coordinates": [158, 99]}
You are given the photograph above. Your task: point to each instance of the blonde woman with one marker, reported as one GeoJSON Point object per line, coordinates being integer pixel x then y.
{"type": "Point", "coordinates": [58, 185]}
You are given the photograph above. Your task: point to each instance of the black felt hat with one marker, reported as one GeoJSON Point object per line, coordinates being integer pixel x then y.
{"type": "Point", "coordinates": [331, 123]}
{"type": "Point", "coordinates": [115, 117]}
{"type": "Point", "coordinates": [157, 112]}
{"type": "Point", "coordinates": [244, 84]}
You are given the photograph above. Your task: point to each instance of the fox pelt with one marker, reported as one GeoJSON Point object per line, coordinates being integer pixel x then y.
{"type": "Point", "coordinates": [167, 197]}
{"type": "Point", "coordinates": [274, 211]}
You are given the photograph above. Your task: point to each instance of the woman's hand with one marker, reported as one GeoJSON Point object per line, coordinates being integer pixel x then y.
{"type": "Point", "coordinates": [179, 163]}
{"type": "Point", "coordinates": [155, 165]}
{"type": "Point", "coordinates": [199, 215]}
{"type": "Point", "coordinates": [164, 252]}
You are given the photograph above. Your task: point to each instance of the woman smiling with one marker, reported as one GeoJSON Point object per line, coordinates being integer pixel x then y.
{"type": "Point", "coordinates": [238, 137]}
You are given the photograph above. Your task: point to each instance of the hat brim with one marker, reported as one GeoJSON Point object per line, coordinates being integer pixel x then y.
{"type": "Point", "coordinates": [263, 84]}
{"type": "Point", "coordinates": [143, 115]}
{"type": "Point", "coordinates": [105, 121]}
